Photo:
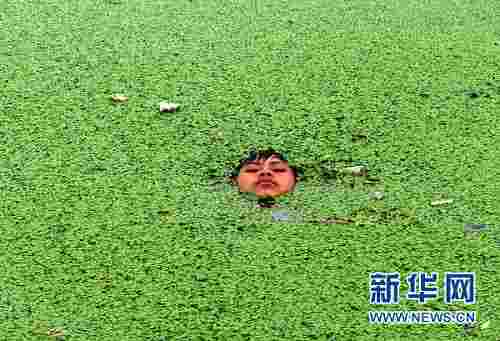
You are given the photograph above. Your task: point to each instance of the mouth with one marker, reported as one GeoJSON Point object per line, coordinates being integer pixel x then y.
{"type": "Point", "coordinates": [265, 183]}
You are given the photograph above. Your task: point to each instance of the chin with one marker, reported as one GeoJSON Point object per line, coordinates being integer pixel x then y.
{"type": "Point", "coordinates": [267, 195]}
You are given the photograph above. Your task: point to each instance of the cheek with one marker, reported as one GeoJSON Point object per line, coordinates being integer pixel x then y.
{"type": "Point", "coordinates": [246, 181]}
{"type": "Point", "coordinates": [287, 180]}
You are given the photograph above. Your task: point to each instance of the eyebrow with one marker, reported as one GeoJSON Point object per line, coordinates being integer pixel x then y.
{"type": "Point", "coordinates": [258, 163]}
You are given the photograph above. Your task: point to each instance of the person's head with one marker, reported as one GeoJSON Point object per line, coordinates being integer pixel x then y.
{"type": "Point", "coordinates": [265, 173]}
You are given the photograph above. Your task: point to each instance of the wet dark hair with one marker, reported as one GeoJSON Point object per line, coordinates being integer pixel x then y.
{"type": "Point", "coordinates": [264, 155]}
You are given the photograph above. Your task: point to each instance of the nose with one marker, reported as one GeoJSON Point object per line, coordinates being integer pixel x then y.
{"type": "Point", "coordinates": [265, 172]}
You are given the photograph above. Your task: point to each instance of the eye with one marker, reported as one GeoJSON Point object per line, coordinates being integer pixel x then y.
{"type": "Point", "coordinates": [251, 170]}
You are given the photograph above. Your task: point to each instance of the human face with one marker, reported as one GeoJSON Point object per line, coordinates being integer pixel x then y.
{"type": "Point", "coordinates": [266, 178]}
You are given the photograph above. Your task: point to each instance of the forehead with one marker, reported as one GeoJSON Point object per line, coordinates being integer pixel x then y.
{"type": "Point", "coordinates": [273, 160]}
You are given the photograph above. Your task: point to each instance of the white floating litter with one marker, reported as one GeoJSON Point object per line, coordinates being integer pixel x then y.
{"type": "Point", "coordinates": [441, 202]}
{"type": "Point", "coordinates": [356, 171]}
{"type": "Point", "coordinates": [119, 98]}
{"type": "Point", "coordinates": [168, 107]}
{"type": "Point", "coordinates": [376, 195]}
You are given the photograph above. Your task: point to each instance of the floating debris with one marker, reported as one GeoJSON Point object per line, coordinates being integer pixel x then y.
{"type": "Point", "coordinates": [376, 195]}
{"type": "Point", "coordinates": [471, 329]}
{"type": "Point", "coordinates": [168, 107]}
{"type": "Point", "coordinates": [58, 332]}
{"type": "Point", "coordinates": [359, 136]}
{"type": "Point", "coordinates": [472, 231]}
{"type": "Point", "coordinates": [475, 227]}
{"type": "Point", "coordinates": [216, 134]}
{"type": "Point", "coordinates": [441, 202]}
{"type": "Point", "coordinates": [372, 180]}
{"type": "Point", "coordinates": [471, 234]}
{"type": "Point", "coordinates": [356, 171]}
{"type": "Point", "coordinates": [119, 98]}
{"type": "Point", "coordinates": [280, 216]}
{"type": "Point", "coordinates": [168, 215]}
